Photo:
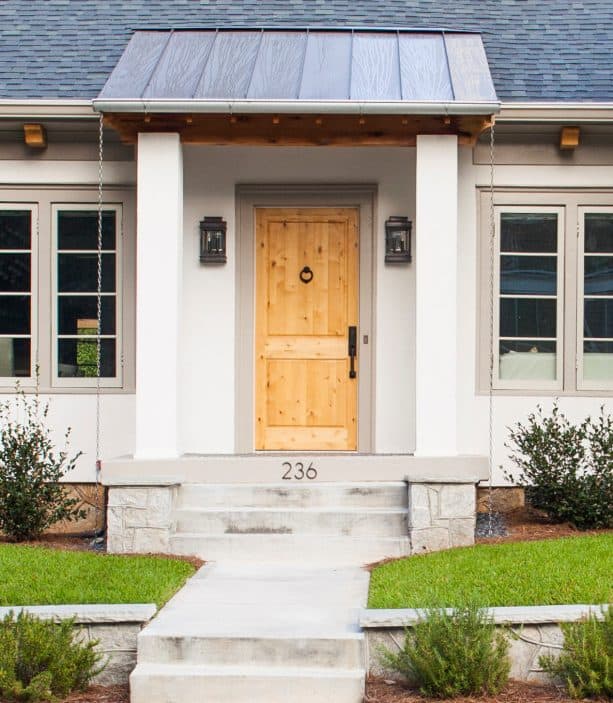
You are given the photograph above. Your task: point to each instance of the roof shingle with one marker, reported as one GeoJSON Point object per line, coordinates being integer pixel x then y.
{"type": "Point", "coordinates": [547, 50]}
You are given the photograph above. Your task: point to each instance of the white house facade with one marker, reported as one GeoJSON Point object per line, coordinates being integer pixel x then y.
{"type": "Point", "coordinates": [266, 316]}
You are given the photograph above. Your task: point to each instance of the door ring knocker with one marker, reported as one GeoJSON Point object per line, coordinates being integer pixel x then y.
{"type": "Point", "coordinates": [306, 275]}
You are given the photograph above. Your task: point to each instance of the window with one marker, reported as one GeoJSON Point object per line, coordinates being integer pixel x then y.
{"type": "Point", "coordinates": [553, 289]}
{"type": "Point", "coordinates": [17, 225]}
{"type": "Point", "coordinates": [528, 316]}
{"type": "Point", "coordinates": [595, 309]}
{"type": "Point", "coordinates": [49, 289]}
{"type": "Point", "coordinates": [76, 292]}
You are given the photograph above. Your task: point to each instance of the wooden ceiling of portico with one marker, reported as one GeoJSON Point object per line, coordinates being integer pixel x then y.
{"type": "Point", "coordinates": [299, 129]}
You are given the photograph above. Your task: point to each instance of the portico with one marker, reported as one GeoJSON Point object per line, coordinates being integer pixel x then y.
{"type": "Point", "coordinates": [404, 130]}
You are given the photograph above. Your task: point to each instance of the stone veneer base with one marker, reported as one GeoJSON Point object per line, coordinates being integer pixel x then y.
{"type": "Point", "coordinates": [536, 631]}
{"type": "Point", "coordinates": [139, 518]}
{"type": "Point", "coordinates": [441, 514]}
{"type": "Point", "coordinates": [116, 626]}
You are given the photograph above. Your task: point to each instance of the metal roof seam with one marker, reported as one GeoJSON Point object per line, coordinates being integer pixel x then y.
{"type": "Point", "coordinates": [350, 65]}
{"type": "Point", "coordinates": [255, 63]}
{"type": "Point", "coordinates": [449, 71]}
{"type": "Point", "coordinates": [399, 66]}
{"type": "Point", "coordinates": [157, 63]}
{"type": "Point", "coordinates": [300, 77]}
{"type": "Point", "coordinates": [205, 64]}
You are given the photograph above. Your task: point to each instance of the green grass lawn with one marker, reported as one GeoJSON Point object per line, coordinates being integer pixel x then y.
{"type": "Point", "coordinates": [557, 571]}
{"type": "Point", "coordinates": [39, 576]}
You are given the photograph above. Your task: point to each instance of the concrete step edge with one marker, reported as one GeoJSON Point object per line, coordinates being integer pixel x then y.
{"type": "Point", "coordinates": [202, 670]}
{"type": "Point", "coordinates": [150, 633]}
{"type": "Point", "coordinates": [285, 537]}
{"type": "Point", "coordinates": [290, 486]}
{"type": "Point", "coordinates": [334, 510]}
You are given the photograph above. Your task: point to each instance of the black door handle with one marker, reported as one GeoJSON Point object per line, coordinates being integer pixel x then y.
{"type": "Point", "coordinates": [353, 350]}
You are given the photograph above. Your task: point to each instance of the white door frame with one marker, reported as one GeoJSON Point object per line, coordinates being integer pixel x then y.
{"type": "Point", "coordinates": [250, 197]}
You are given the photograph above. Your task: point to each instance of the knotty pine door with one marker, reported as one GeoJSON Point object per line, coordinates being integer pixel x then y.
{"type": "Point", "coordinates": [306, 301]}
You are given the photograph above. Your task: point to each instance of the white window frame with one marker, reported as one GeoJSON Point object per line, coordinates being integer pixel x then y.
{"type": "Point", "coordinates": [531, 384]}
{"type": "Point", "coordinates": [87, 382]}
{"type": "Point", "coordinates": [33, 251]}
{"type": "Point", "coordinates": [582, 383]}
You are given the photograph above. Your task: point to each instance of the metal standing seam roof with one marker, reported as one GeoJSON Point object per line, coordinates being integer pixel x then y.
{"type": "Point", "coordinates": [318, 66]}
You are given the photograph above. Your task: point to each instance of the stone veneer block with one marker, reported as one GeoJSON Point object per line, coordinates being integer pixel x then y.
{"type": "Point", "coordinates": [457, 501]}
{"type": "Point", "coordinates": [504, 499]}
{"type": "Point", "coordinates": [422, 501]}
{"type": "Point", "coordinates": [429, 539]}
{"type": "Point", "coordinates": [462, 531]}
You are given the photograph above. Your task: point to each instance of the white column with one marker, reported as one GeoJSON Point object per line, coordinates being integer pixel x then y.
{"type": "Point", "coordinates": [158, 294]}
{"type": "Point", "coordinates": [436, 260]}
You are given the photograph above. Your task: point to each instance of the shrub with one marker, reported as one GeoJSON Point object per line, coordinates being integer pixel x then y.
{"type": "Point", "coordinates": [31, 497]}
{"type": "Point", "coordinates": [586, 664]}
{"type": "Point", "coordinates": [452, 654]}
{"type": "Point", "coordinates": [40, 659]}
{"type": "Point", "coordinates": [566, 469]}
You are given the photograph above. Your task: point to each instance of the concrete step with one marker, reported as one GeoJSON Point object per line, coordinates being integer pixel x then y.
{"type": "Point", "coordinates": [185, 683]}
{"type": "Point", "coordinates": [391, 494]}
{"type": "Point", "coordinates": [289, 549]}
{"type": "Point", "coordinates": [349, 522]}
{"type": "Point", "coordinates": [294, 652]}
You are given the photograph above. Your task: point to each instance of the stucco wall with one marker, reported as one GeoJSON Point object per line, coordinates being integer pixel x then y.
{"type": "Point", "coordinates": [211, 174]}
{"type": "Point", "coordinates": [79, 413]}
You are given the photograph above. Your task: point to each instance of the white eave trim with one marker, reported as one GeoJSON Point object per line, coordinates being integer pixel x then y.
{"type": "Point", "coordinates": [46, 109]}
{"type": "Point", "coordinates": [554, 112]}
{"type": "Point", "coordinates": [342, 107]}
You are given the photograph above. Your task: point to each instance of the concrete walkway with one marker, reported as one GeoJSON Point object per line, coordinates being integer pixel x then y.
{"type": "Point", "coordinates": [257, 633]}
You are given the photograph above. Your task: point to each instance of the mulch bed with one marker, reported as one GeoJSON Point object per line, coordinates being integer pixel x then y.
{"type": "Point", "coordinates": [72, 543]}
{"type": "Point", "coordinates": [528, 524]}
{"type": "Point", "coordinates": [384, 691]}
{"type": "Point", "coordinates": [377, 691]}
{"type": "Point", "coordinates": [101, 694]}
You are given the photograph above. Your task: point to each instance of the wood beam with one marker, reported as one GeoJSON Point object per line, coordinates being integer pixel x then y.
{"type": "Point", "coordinates": [299, 130]}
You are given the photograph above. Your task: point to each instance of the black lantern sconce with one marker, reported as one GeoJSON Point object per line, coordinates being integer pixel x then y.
{"type": "Point", "coordinates": [213, 240]}
{"type": "Point", "coordinates": [398, 230]}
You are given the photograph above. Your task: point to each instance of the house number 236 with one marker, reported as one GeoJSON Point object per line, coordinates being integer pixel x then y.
{"type": "Point", "coordinates": [297, 471]}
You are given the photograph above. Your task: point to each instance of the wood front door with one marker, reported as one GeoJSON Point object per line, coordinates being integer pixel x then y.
{"type": "Point", "coordinates": [306, 303]}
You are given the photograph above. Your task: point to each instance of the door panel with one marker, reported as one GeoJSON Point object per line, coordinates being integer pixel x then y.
{"type": "Point", "coordinates": [304, 396]}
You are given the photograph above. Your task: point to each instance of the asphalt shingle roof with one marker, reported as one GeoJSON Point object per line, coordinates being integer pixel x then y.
{"type": "Point", "coordinates": [540, 50]}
